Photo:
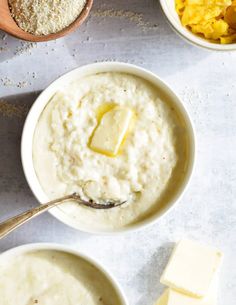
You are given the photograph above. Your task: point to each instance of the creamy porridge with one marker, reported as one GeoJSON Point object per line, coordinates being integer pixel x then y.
{"type": "Point", "coordinates": [143, 165]}
{"type": "Point", "coordinates": [53, 278]}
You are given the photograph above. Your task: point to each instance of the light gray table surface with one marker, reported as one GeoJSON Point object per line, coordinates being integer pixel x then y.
{"type": "Point", "coordinates": [133, 31]}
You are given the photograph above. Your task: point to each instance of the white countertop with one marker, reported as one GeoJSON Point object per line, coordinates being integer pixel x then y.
{"type": "Point", "coordinates": [133, 31]}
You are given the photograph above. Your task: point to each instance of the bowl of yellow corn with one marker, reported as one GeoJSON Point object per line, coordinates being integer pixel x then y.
{"type": "Point", "coordinates": [206, 23]}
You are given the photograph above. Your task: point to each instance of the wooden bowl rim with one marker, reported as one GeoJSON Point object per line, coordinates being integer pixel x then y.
{"type": "Point", "coordinates": [40, 38]}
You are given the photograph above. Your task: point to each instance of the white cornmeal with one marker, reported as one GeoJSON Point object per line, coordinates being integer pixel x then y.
{"type": "Point", "coordinates": [45, 16]}
{"type": "Point", "coordinates": [53, 278]}
{"type": "Point", "coordinates": [151, 163]}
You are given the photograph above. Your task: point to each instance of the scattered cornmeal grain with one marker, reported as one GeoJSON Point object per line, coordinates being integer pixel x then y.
{"type": "Point", "coordinates": [46, 16]}
{"type": "Point", "coordinates": [210, 19]}
{"type": "Point", "coordinates": [136, 18]}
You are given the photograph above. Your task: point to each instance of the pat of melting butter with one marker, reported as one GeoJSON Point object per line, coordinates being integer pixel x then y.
{"type": "Point", "coordinates": [111, 131]}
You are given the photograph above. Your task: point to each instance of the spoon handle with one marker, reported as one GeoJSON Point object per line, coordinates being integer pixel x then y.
{"type": "Point", "coordinates": [11, 224]}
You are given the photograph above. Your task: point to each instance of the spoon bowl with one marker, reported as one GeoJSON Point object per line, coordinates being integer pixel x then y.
{"type": "Point", "coordinates": [8, 24]}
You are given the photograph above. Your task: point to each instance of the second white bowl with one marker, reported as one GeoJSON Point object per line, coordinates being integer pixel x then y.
{"type": "Point", "coordinates": [90, 268]}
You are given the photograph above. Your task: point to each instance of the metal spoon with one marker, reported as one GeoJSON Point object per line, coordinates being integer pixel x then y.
{"type": "Point", "coordinates": [12, 223]}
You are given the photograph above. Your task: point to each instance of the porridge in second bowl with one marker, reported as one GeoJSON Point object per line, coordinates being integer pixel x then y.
{"type": "Point", "coordinates": [111, 136]}
{"type": "Point", "coordinates": [51, 277]}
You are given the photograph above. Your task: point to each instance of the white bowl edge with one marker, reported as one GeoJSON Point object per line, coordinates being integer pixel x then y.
{"type": "Point", "coordinates": [26, 248]}
{"type": "Point", "coordinates": [41, 102]}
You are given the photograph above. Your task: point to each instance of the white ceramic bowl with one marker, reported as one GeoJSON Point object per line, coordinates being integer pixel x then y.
{"type": "Point", "coordinates": [168, 7]}
{"type": "Point", "coordinates": [29, 248]}
{"type": "Point", "coordinates": [41, 102]}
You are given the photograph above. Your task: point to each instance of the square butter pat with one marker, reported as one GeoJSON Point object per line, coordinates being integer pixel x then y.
{"type": "Point", "coordinates": [111, 131]}
{"type": "Point", "coordinates": [191, 268]}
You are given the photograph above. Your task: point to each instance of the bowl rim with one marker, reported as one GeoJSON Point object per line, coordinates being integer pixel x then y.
{"type": "Point", "coordinates": [43, 98]}
{"type": "Point", "coordinates": [191, 37]}
{"type": "Point", "coordinates": [27, 248]}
